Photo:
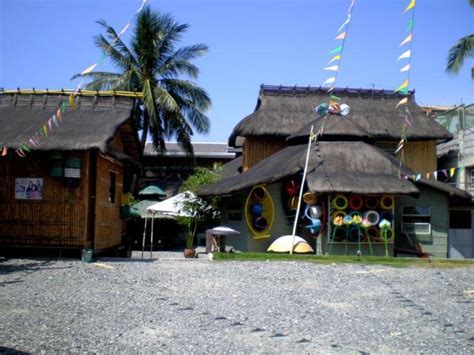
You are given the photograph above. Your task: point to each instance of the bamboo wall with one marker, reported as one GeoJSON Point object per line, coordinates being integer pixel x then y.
{"type": "Point", "coordinates": [420, 156]}
{"type": "Point", "coordinates": [108, 225]}
{"type": "Point", "coordinates": [59, 219]}
{"type": "Point", "coordinates": [259, 148]}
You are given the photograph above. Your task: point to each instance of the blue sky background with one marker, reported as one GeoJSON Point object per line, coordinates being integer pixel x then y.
{"type": "Point", "coordinates": [44, 42]}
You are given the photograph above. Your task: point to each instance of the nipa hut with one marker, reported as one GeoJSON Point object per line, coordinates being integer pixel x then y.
{"type": "Point", "coordinates": [353, 170]}
{"type": "Point", "coordinates": [62, 179]}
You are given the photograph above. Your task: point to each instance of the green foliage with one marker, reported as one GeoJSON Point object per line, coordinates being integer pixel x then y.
{"type": "Point", "coordinates": [203, 211]}
{"type": "Point", "coordinates": [152, 64]}
{"type": "Point", "coordinates": [459, 52]}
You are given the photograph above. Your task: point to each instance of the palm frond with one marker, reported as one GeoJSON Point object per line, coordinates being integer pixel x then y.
{"type": "Point", "coordinates": [190, 91]}
{"type": "Point", "coordinates": [117, 42]}
{"type": "Point", "coordinates": [459, 52]}
{"type": "Point", "coordinates": [179, 63]}
{"type": "Point", "coordinates": [120, 60]}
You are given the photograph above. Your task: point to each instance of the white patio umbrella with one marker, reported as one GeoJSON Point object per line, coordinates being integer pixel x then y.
{"type": "Point", "coordinates": [169, 208]}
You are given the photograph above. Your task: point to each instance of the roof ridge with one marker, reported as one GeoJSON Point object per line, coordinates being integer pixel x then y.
{"type": "Point", "coordinates": [282, 89]}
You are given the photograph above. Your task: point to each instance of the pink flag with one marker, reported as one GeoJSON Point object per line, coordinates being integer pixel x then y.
{"type": "Point", "coordinates": [341, 35]}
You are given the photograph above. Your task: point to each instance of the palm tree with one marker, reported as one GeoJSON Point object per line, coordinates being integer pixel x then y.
{"type": "Point", "coordinates": [460, 51]}
{"type": "Point", "coordinates": [171, 107]}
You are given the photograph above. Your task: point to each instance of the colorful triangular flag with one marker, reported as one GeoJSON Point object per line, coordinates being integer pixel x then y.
{"type": "Point", "coordinates": [451, 172]}
{"type": "Point", "coordinates": [348, 19]}
{"type": "Point", "coordinates": [4, 150]}
{"type": "Point", "coordinates": [435, 175]}
{"type": "Point", "coordinates": [89, 69]}
{"type": "Point", "coordinates": [341, 35]}
{"type": "Point", "coordinates": [336, 50]}
{"type": "Point", "coordinates": [406, 54]}
{"type": "Point", "coordinates": [25, 147]}
{"type": "Point", "coordinates": [55, 121]}
{"type": "Point", "coordinates": [72, 103]}
{"type": "Point", "coordinates": [405, 68]}
{"type": "Point", "coordinates": [332, 68]}
{"type": "Point", "coordinates": [124, 29]}
{"type": "Point", "coordinates": [407, 39]}
{"type": "Point", "coordinates": [410, 25]}
{"type": "Point", "coordinates": [336, 57]}
{"type": "Point", "coordinates": [410, 6]}
{"type": "Point", "coordinates": [329, 80]}
{"type": "Point", "coordinates": [403, 86]}
{"type": "Point", "coordinates": [402, 102]}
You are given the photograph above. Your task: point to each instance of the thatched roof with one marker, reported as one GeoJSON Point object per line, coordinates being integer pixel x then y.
{"type": "Point", "coordinates": [334, 167]}
{"type": "Point", "coordinates": [354, 167]}
{"type": "Point", "coordinates": [91, 124]}
{"type": "Point", "coordinates": [283, 111]}
{"type": "Point", "coordinates": [232, 168]}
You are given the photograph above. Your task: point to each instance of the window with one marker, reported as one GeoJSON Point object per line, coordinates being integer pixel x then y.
{"type": "Point", "coordinates": [460, 219]}
{"type": "Point", "coordinates": [416, 222]}
{"type": "Point", "coordinates": [113, 177]}
{"type": "Point", "coordinates": [234, 210]}
{"type": "Point", "coordinates": [470, 179]}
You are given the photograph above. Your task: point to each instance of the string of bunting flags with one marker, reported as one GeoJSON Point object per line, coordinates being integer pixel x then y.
{"type": "Point", "coordinates": [403, 88]}
{"type": "Point", "coordinates": [56, 119]}
{"type": "Point", "coordinates": [447, 173]}
{"type": "Point", "coordinates": [337, 51]}
{"type": "Point", "coordinates": [334, 66]}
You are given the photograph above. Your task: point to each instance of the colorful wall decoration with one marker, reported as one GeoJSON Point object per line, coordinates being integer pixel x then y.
{"type": "Point", "coordinates": [361, 220]}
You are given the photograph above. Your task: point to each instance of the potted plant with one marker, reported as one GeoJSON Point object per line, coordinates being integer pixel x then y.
{"type": "Point", "coordinates": [197, 212]}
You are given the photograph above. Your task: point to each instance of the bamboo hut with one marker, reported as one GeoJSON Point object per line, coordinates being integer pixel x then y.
{"type": "Point", "coordinates": [81, 167]}
{"type": "Point", "coordinates": [354, 160]}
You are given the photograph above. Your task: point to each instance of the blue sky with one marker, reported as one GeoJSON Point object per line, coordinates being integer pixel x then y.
{"type": "Point", "coordinates": [44, 42]}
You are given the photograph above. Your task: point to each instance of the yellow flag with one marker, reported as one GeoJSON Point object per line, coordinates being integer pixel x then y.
{"type": "Point", "coordinates": [402, 102]}
{"type": "Point", "coordinates": [403, 86]}
{"type": "Point", "coordinates": [336, 57]}
{"type": "Point", "coordinates": [451, 172]}
{"type": "Point", "coordinates": [71, 101]}
{"type": "Point", "coordinates": [410, 6]}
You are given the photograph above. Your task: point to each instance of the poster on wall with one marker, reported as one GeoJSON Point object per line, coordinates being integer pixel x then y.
{"type": "Point", "coordinates": [29, 188]}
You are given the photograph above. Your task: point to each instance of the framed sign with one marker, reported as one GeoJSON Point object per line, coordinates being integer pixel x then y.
{"type": "Point", "coordinates": [29, 188]}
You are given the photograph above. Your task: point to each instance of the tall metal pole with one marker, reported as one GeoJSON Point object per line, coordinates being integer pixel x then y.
{"type": "Point", "coordinates": [301, 191]}
{"type": "Point", "coordinates": [144, 233]}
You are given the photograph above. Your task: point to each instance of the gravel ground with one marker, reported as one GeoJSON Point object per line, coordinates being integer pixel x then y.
{"type": "Point", "coordinates": [172, 305]}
